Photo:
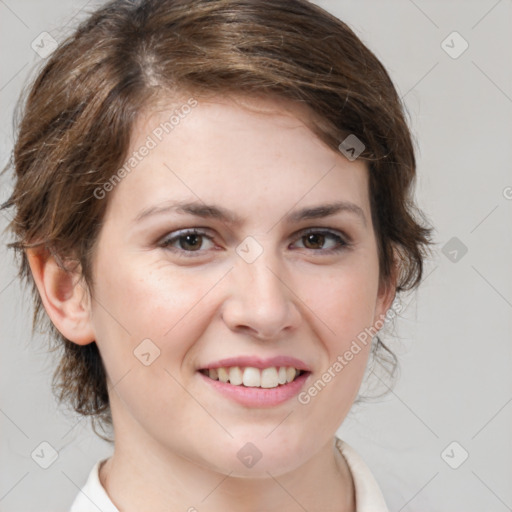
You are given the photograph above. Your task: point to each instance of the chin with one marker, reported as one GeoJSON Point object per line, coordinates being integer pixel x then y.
{"type": "Point", "coordinates": [254, 456]}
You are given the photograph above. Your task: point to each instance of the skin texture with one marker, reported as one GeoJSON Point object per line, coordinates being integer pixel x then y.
{"type": "Point", "coordinates": [176, 438]}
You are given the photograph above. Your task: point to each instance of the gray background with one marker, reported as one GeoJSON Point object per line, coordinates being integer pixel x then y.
{"type": "Point", "coordinates": [453, 339]}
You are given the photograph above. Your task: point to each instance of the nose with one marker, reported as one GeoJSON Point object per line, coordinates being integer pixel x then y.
{"type": "Point", "coordinates": [262, 302]}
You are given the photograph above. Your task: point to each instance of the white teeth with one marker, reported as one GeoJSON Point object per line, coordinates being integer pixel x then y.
{"type": "Point", "coordinates": [223, 374]}
{"type": "Point", "coordinates": [290, 374]}
{"type": "Point", "coordinates": [235, 376]}
{"type": "Point", "coordinates": [254, 377]}
{"type": "Point", "coordinates": [269, 378]}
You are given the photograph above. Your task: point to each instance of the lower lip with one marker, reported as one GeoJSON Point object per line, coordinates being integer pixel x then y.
{"type": "Point", "coordinates": [258, 397]}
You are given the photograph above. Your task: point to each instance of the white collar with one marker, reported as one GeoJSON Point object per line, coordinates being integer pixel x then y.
{"type": "Point", "coordinates": [93, 497]}
{"type": "Point", "coordinates": [368, 495]}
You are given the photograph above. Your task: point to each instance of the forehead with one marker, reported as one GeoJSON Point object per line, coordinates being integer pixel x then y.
{"type": "Point", "coordinates": [240, 152]}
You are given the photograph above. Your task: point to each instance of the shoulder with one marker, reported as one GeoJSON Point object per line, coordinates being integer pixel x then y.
{"type": "Point", "coordinates": [369, 497]}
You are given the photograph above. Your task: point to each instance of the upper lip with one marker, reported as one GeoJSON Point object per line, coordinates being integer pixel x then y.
{"type": "Point", "coordinates": [258, 362]}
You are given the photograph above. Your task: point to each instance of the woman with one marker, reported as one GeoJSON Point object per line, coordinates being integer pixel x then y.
{"type": "Point", "coordinates": [213, 204]}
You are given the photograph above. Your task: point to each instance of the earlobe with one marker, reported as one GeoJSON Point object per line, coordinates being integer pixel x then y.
{"type": "Point", "coordinates": [64, 298]}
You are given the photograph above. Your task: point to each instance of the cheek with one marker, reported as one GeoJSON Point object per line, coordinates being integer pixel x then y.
{"type": "Point", "coordinates": [345, 301]}
{"type": "Point", "coordinates": [345, 308]}
{"type": "Point", "coordinates": [144, 309]}
{"type": "Point", "coordinates": [139, 300]}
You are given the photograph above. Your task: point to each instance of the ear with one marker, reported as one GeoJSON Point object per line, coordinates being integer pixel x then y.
{"type": "Point", "coordinates": [64, 298]}
{"type": "Point", "coordinates": [386, 295]}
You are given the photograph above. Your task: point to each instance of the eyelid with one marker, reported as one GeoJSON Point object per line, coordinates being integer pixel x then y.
{"type": "Point", "coordinates": [343, 239]}
{"type": "Point", "coordinates": [177, 234]}
{"type": "Point", "coordinates": [325, 230]}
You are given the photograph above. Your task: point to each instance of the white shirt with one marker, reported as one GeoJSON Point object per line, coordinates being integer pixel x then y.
{"type": "Point", "coordinates": [94, 498]}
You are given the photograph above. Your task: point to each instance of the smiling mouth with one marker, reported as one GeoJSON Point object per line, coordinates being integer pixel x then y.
{"type": "Point", "coordinates": [266, 378]}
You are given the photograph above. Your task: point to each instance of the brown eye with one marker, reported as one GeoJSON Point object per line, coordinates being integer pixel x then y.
{"type": "Point", "coordinates": [186, 242]}
{"type": "Point", "coordinates": [190, 242]}
{"type": "Point", "coordinates": [316, 240]}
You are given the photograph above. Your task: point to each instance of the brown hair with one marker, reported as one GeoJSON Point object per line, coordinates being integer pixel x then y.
{"type": "Point", "coordinates": [77, 121]}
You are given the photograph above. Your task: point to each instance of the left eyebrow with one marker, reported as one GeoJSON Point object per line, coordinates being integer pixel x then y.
{"type": "Point", "coordinates": [326, 210]}
{"type": "Point", "coordinates": [211, 211]}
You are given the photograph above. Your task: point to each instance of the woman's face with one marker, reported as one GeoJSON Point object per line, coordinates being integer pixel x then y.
{"type": "Point", "coordinates": [250, 292]}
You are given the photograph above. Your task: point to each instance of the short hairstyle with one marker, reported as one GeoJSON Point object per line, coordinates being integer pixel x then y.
{"type": "Point", "coordinates": [79, 113]}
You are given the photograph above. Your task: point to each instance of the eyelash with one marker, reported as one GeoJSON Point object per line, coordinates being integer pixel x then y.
{"type": "Point", "coordinates": [165, 244]}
